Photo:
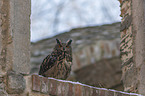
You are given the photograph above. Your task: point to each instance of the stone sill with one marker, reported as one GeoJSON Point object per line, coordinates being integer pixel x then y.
{"type": "Point", "coordinates": [58, 87]}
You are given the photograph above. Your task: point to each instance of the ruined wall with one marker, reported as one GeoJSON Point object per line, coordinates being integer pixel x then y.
{"type": "Point", "coordinates": [15, 56]}
{"type": "Point", "coordinates": [132, 45]}
{"type": "Point", "coordinates": [90, 45]}
{"type": "Point", "coordinates": [49, 86]}
{"type": "Point", "coordinates": [105, 73]}
{"type": "Point", "coordinates": [14, 46]}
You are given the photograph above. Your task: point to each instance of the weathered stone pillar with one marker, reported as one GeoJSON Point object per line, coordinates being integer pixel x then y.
{"type": "Point", "coordinates": [132, 45]}
{"type": "Point", "coordinates": [14, 44]}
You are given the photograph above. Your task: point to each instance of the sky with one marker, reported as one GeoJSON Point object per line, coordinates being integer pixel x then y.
{"type": "Point", "coordinates": [52, 17]}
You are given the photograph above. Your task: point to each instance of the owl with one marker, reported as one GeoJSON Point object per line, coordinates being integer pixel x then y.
{"type": "Point", "coordinates": [58, 63]}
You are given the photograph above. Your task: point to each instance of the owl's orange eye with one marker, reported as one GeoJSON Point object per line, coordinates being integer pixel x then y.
{"type": "Point", "coordinates": [67, 46]}
{"type": "Point", "coordinates": [60, 46]}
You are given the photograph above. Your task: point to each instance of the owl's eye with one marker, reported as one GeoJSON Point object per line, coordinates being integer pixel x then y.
{"type": "Point", "coordinates": [67, 46]}
{"type": "Point", "coordinates": [60, 46]}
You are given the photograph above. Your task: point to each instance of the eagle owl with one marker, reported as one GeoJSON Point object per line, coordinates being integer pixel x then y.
{"type": "Point", "coordinates": [58, 63]}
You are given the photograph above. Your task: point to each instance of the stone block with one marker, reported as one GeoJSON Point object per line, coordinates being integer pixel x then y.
{"type": "Point", "coordinates": [95, 92]}
{"type": "Point", "coordinates": [36, 83]}
{"type": "Point", "coordinates": [3, 93]}
{"type": "Point", "coordinates": [62, 88]}
{"type": "Point", "coordinates": [78, 90]}
{"type": "Point", "coordinates": [44, 85]}
{"type": "Point", "coordinates": [1, 79]}
{"type": "Point", "coordinates": [15, 83]}
{"type": "Point", "coordinates": [117, 94]}
{"type": "Point", "coordinates": [15, 35]}
{"type": "Point", "coordinates": [110, 93]}
{"type": "Point", "coordinates": [102, 92]}
{"type": "Point", "coordinates": [52, 87]}
{"type": "Point", "coordinates": [70, 89]}
{"type": "Point", "coordinates": [36, 94]}
{"type": "Point", "coordinates": [20, 27]}
{"type": "Point", "coordinates": [2, 85]}
{"type": "Point", "coordinates": [2, 73]}
{"type": "Point", "coordinates": [86, 91]}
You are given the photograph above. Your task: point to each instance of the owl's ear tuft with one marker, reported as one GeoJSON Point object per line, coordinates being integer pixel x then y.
{"type": "Point", "coordinates": [68, 43]}
{"type": "Point", "coordinates": [58, 42]}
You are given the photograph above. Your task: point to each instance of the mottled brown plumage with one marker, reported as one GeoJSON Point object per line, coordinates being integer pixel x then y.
{"type": "Point", "coordinates": [58, 63]}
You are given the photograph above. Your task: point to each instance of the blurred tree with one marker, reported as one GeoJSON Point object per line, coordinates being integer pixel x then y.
{"type": "Point", "coordinates": [50, 17]}
{"type": "Point", "coordinates": [59, 9]}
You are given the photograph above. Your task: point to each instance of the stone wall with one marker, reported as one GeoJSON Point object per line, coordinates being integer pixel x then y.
{"type": "Point", "coordinates": [14, 46]}
{"type": "Point", "coordinates": [42, 86]}
{"type": "Point", "coordinates": [132, 45]}
{"type": "Point", "coordinates": [15, 79]}
{"type": "Point", "coordinates": [105, 73]}
{"type": "Point", "coordinates": [90, 45]}
{"type": "Point", "coordinates": [126, 46]}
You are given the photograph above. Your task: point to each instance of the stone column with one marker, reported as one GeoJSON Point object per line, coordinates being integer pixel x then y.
{"type": "Point", "coordinates": [132, 45]}
{"type": "Point", "coordinates": [138, 15]}
{"type": "Point", "coordinates": [14, 43]}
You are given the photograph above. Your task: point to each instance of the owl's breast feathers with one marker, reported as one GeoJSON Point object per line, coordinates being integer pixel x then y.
{"type": "Point", "coordinates": [57, 65]}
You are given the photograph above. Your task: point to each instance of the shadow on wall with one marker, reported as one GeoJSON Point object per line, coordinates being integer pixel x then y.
{"type": "Point", "coordinates": [105, 73]}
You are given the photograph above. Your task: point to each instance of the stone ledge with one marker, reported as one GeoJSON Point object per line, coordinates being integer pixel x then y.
{"type": "Point", "coordinates": [58, 87]}
{"type": "Point", "coordinates": [16, 83]}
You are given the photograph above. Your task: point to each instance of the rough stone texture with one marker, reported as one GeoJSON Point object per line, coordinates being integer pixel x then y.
{"type": "Point", "coordinates": [138, 13]}
{"type": "Point", "coordinates": [14, 45]}
{"type": "Point", "coordinates": [2, 88]}
{"type": "Point", "coordinates": [14, 32]}
{"type": "Point", "coordinates": [4, 34]}
{"type": "Point", "coordinates": [132, 45]}
{"type": "Point", "coordinates": [126, 23]}
{"type": "Point", "coordinates": [105, 73]}
{"type": "Point", "coordinates": [53, 87]}
{"type": "Point", "coordinates": [88, 91]}
{"type": "Point", "coordinates": [38, 94]}
{"type": "Point", "coordinates": [102, 92]}
{"type": "Point", "coordinates": [78, 90]}
{"type": "Point", "coordinates": [126, 46]}
{"type": "Point", "coordinates": [44, 85]}
{"type": "Point", "coordinates": [36, 83]}
{"type": "Point", "coordinates": [129, 72]}
{"type": "Point", "coordinates": [62, 89]}
{"type": "Point", "coordinates": [95, 92]}
{"type": "Point", "coordinates": [15, 83]}
{"type": "Point", "coordinates": [3, 93]}
{"type": "Point", "coordinates": [68, 88]}
{"type": "Point", "coordinates": [110, 93]}
{"type": "Point", "coordinates": [20, 31]}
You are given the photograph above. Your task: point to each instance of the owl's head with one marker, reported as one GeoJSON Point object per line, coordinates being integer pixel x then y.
{"type": "Point", "coordinates": [63, 47]}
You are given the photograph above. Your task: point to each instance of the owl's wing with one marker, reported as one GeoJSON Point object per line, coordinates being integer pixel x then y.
{"type": "Point", "coordinates": [47, 63]}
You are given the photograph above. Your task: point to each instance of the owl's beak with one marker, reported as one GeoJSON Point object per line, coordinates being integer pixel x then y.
{"type": "Point", "coordinates": [64, 54]}
{"type": "Point", "coordinates": [63, 49]}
